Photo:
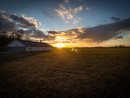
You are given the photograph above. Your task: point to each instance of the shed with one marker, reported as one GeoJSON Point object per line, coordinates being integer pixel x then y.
{"type": "Point", "coordinates": [25, 45]}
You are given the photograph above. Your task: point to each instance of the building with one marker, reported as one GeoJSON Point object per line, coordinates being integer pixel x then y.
{"type": "Point", "coordinates": [25, 45]}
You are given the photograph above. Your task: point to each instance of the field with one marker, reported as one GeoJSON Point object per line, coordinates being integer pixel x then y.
{"type": "Point", "coordinates": [63, 73]}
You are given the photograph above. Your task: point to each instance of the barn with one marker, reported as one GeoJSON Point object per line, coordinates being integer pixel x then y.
{"type": "Point", "coordinates": [25, 45]}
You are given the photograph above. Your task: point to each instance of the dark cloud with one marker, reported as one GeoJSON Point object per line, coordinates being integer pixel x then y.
{"type": "Point", "coordinates": [105, 32]}
{"type": "Point", "coordinates": [22, 22]}
{"type": "Point", "coordinates": [48, 38]}
{"type": "Point", "coordinates": [66, 33]}
{"type": "Point", "coordinates": [115, 18]}
{"type": "Point", "coordinates": [13, 23]}
{"type": "Point", "coordinates": [99, 33]}
{"type": "Point", "coordinates": [119, 37]}
{"type": "Point", "coordinates": [53, 32]}
{"type": "Point", "coordinates": [47, 14]}
{"type": "Point", "coordinates": [7, 24]}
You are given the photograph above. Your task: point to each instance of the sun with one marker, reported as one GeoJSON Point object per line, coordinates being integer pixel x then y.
{"type": "Point", "coordinates": [59, 45]}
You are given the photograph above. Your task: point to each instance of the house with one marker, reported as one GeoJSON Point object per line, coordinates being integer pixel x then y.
{"type": "Point", "coordinates": [25, 45]}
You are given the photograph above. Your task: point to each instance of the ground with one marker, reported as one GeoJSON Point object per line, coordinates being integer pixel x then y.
{"type": "Point", "coordinates": [92, 72]}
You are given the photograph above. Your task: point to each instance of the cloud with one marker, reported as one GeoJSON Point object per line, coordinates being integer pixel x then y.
{"type": "Point", "coordinates": [69, 33]}
{"type": "Point", "coordinates": [69, 14]}
{"type": "Point", "coordinates": [118, 37]}
{"type": "Point", "coordinates": [96, 34]}
{"type": "Point", "coordinates": [66, 1]}
{"type": "Point", "coordinates": [47, 14]}
{"type": "Point", "coordinates": [80, 0]}
{"type": "Point", "coordinates": [53, 32]}
{"type": "Point", "coordinates": [88, 9]}
{"type": "Point", "coordinates": [61, 6]}
{"type": "Point", "coordinates": [7, 23]}
{"type": "Point", "coordinates": [75, 10]}
{"type": "Point", "coordinates": [115, 18]}
{"type": "Point", "coordinates": [105, 32]}
{"type": "Point", "coordinates": [64, 36]}
{"type": "Point", "coordinates": [31, 20]}
{"type": "Point", "coordinates": [129, 36]}
{"type": "Point", "coordinates": [27, 26]}
{"type": "Point", "coordinates": [64, 13]}
{"type": "Point", "coordinates": [61, 13]}
{"type": "Point", "coordinates": [21, 22]}
{"type": "Point", "coordinates": [76, 20]}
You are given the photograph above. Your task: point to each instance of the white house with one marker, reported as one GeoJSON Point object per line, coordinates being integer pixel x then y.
{"type": "Point", "coordinates": [24, 45]}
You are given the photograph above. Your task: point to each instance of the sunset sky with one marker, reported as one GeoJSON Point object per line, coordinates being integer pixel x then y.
{"type": "Point", "coordinates": [75, 23]}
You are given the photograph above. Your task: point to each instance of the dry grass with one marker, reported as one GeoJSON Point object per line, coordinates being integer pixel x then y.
{"type": "Point", "coordinates": [103, 72]}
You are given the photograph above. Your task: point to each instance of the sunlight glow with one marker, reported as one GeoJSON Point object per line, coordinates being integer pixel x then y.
{"type": "Point", "coordinates": [59, 45]}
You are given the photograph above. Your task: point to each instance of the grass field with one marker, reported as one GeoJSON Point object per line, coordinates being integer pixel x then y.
{"type": "Point", "coordinates": [94, 72]}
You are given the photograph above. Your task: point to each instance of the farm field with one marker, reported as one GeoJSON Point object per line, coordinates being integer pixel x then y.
{"type": "Point", "coordinates": [63, 73]}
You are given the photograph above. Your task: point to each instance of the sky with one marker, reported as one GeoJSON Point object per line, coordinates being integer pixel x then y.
{"type": "Point", "coordinates": [75, 23]}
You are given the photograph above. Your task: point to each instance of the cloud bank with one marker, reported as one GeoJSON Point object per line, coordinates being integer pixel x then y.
{"type": "Point", "coordinates": [105, 32]}
{"type": "Point", "coordinates": [97, 34]}
{"type": "Point", "coordinates": [27, 26]}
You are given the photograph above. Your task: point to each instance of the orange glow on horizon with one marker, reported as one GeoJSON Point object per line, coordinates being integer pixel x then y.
{"type": "Point", "coordinates": [59, 45]}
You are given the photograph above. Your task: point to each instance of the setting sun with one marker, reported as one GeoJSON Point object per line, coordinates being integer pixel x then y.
{"type": "Point", "coordinates": [59, 45]}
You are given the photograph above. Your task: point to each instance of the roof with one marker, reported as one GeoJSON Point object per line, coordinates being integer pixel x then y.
{"type": "Point", "coordinates": [34, 44]}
